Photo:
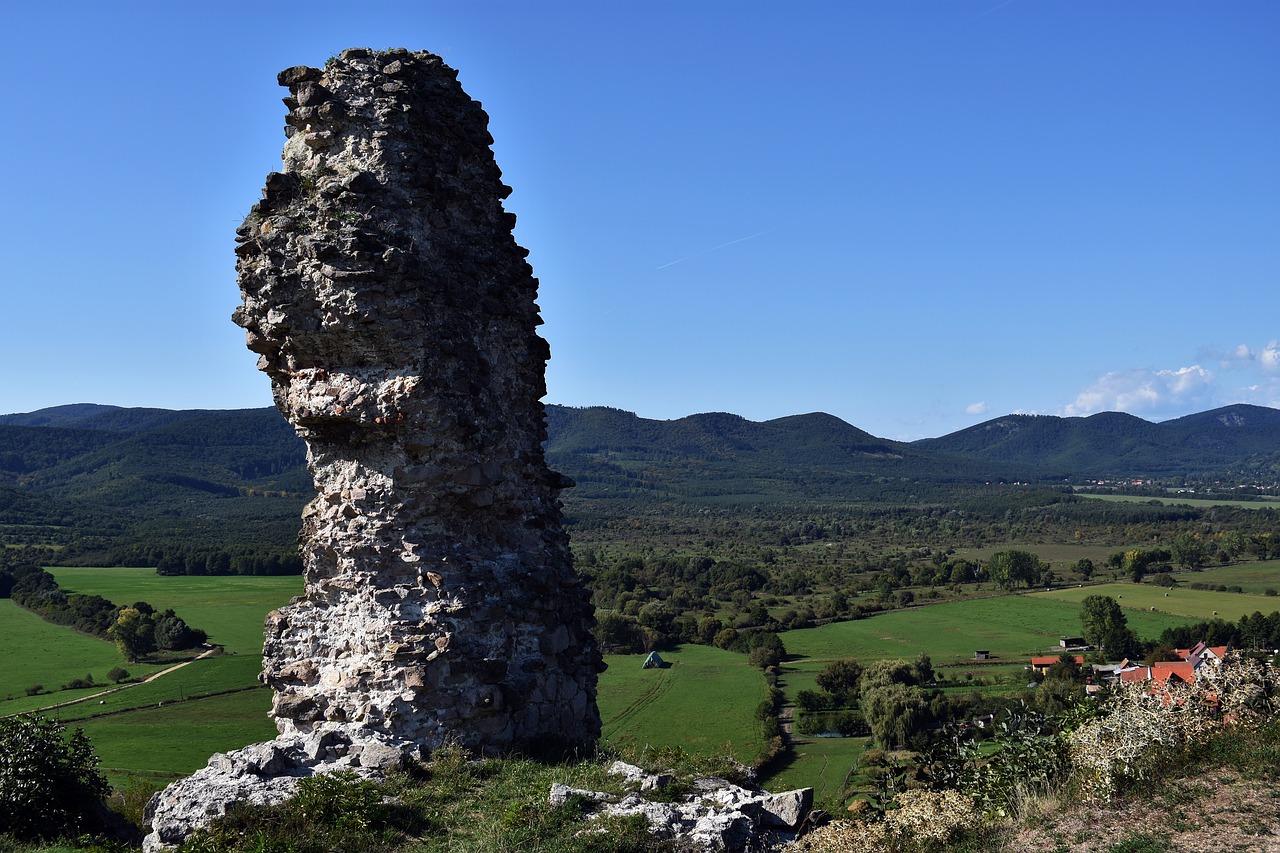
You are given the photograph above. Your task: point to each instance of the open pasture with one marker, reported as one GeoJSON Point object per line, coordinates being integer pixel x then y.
{"type": "Point", "coordinates": [819, 763]}
{"type": "Point", "coordinates": [1193, 605]}
{"type": "Point", "coordinates": [1255, 578]}
{"type": "Point", "coordinates": [1010, 627]}
{"type": "Point", "coordinates": [706, 699]}
{"type": "Point", "coordinates": [231, 608]}
{"type": "Point", "coordinates": [199, 678]}
{"type": "Point", "coordinates": [37, 652]}
{"type": "Point", "coordinates": [1185, 500]}
{"type": "Point", "coordinates": [177, 739]}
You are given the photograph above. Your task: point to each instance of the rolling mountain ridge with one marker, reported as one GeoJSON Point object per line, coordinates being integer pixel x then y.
{"type": "Point", "coordinates": [99, 474]}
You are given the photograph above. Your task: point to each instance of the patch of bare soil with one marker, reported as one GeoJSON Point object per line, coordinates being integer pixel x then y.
{"type": "Point", "coordinates": [1216, 811]}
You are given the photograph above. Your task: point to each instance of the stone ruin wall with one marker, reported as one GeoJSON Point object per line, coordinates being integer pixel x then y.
{"type": "Point", "coordinates": [395, 315]}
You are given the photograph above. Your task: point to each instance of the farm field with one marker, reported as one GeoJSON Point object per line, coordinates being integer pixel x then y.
{"type": "Point", "coordinates": [1194, 604]}
{"type": "Point", "coordinates": [199, 678]}
{"type": "Point", "coordinates": [177, 739]}
{"type": "Point", "coordinates": [821, 764]}
{"type": "Point", "coordinates": [1255, 578]}
{"type": "Point", "coordinates": [231, 609]}
{"type": "Point", "coordinates": [1011, 627]}
{"type": "Point", "coordinates": [706, 699]}
{"type": "Point", "coordinates": [37, 652]}
{"type": "Point", "coordinates": [1177, 500]}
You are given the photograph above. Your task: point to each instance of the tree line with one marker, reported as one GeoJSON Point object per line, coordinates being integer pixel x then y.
{"type": "Point", "coordinates": [137, 629]}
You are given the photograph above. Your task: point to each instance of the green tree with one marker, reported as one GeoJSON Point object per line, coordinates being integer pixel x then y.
{"type": "Point", "coordinates": [895, 713]}
{"type": "Point", "coordinates": [923, 666]}
{"type": "Point", "coordinates": [50, 785]}
{"type": "Point", "coordinates": [840, 678]}
{"type": "Point", "coordinates": [619, 634]}
{"type": "Point", "coordinates": [1106, 627]}
{"type": "Point", "coordinates": [1084, 568]}
{"type": "Point", "coordinates": [882, 673]}
{"type": "Point", "coordinates": [708, 627]}
{"type": "Point", "coordinates": [133, 633]}
{"type": "Point", "coordinates": [1014, 568]}
{"type": "Point", "coordinates": [171, 632]}
{"type": "Point", "coordinates": [763, 657]}
{"type": "Point", "coordinates": [1189, 550]}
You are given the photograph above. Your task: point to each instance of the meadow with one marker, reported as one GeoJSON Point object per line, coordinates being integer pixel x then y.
{"type": "Point", "coordinates": [1255, 578]}
{"type": "Point", "coordinates": [162, 742]}
{"type": "Point", "coordinates": [1141, 600]}
{"type": "Point", "coordinates": [37, 652]}
{"type": "Point", "coordinates": [231, 608]}
{"type": "Point", "coordinates": [820, 763]}
{"type": "Point", "coordinates": [704, 702]}
{"type": "Point", "coordinates": [1184, 500]}
{"type": "Point", "coordinates": [170, 726]}
{"type": "Point", "coordinates": [1011, 627]}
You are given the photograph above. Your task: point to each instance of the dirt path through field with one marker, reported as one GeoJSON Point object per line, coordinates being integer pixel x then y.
{"type": "Point", "coordinates": [150, 678]}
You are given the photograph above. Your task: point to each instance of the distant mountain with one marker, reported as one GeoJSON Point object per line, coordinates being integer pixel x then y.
{"type": "Point", "coordinates": [103, 474]}
{"type": "Point", "coordinates": [813, 456]}
{"type": "Point", "coordinates": [58, 416]}
{"type": "Point", "coordinates": [97, 476]}
{"type": "Point", "coordinates": [1234, 441]}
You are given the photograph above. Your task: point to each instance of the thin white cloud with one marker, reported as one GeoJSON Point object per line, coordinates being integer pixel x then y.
{"type": "Point", "coordinates": [1269, 358]}
{"type": "Point", "coordinates": [1244, 356]}
{"type": "Point", "coordinates": [1146, 391]}
{"type": "Point", "coordinates": [979, 408]}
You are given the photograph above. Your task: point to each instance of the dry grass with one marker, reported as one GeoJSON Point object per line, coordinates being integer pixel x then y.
{"type": "Point", "coordinates": [1218, 811]}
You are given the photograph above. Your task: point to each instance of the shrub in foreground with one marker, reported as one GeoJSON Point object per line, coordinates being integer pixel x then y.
{"type": "Point", "coordinates": [50, 785]}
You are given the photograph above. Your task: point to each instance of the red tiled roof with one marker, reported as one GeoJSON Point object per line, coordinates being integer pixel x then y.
{"type": "Point", "coordinates": [1165, 670]}
{"type": "Point", "coordinates": [1050, 660]}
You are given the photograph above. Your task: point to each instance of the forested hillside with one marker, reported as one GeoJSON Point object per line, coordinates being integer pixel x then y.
{"type": "Point", "coordinates": [1236, 442]}
{"type": "Point", "coordinates": [202, 491]}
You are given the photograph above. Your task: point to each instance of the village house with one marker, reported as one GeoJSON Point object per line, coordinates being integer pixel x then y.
{"type": "Point", "coordinates": [1042, 663]}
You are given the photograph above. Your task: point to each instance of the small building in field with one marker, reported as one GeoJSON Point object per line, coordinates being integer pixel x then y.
{"type": "Point", "coordinates": [1041, 663]}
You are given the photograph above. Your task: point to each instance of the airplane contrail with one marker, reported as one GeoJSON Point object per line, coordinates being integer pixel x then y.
{"type": "Point", "coordinates": [714, 248]}
{"type": "Point", "coordinates": [992, 9]}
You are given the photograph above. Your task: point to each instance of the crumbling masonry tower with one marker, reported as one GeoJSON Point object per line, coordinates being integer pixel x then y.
{"type": "Point", "coordinates": [395, 314]}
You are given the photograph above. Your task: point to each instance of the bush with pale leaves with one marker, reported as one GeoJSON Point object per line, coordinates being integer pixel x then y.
{"type": "Point", "coordinates": [1138, 733]}
{"type": "Point", "coordinates": [921, 820]}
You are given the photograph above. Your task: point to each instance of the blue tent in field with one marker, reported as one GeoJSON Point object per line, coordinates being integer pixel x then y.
{"type": "Point", "coordinates": [653, 661]}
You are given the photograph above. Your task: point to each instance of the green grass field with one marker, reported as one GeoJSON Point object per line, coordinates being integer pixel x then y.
{"type": "Point", "coordinates": [231, 609]}
{"type": "Point", "coordinates": [152, 729]}
{"type": "Point", "coordinates": [819, 763]}
{"type": "Point", "coordinates": [177, 739]}
{"type": "Point", "coordinates": [1193, 604]}
{"type": "Point", "coordinates": [199, 678]}
{"type": "Point", "coordinates": [37, 652]}
{"type": "Point", "coordinates": [706, 699]}
{"type": "Point", "coordinates": [1254, 578]}
{"type": "Point", "coordinates": [1177, 500]}
{"type": "Point", "coordinates": [1011, 627]}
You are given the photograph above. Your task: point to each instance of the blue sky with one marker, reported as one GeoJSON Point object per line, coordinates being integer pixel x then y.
{"type": "Point", "coordinates": [913, 215]}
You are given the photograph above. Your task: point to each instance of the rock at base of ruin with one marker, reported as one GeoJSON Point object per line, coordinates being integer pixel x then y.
{"type": "Point", "coordinates": [395, 315]}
